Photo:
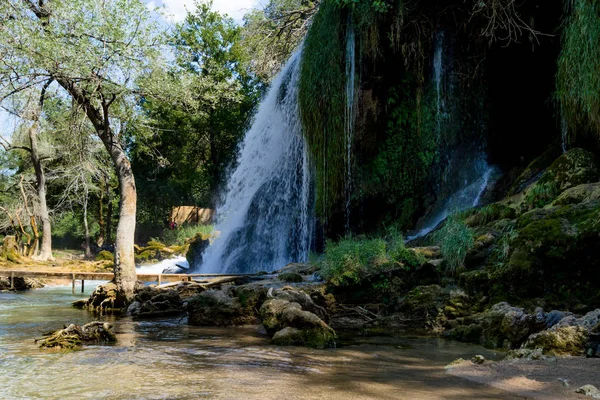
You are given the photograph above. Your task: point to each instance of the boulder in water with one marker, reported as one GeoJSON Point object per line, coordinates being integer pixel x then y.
{"type": "Point", "coordinates": [73, 336]}
{"type": "Point", "coordinates": [105, 297]}
{"type": "Point", "coordinates": [152, 302]}
{"type": "Point", "coordinates": [20, 284]}
{"type": "Point", "coordinates": [218, 308]}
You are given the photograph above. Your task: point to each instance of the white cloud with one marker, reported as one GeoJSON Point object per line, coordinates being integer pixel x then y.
{"type": "Point", "coordinates": [234, 8]}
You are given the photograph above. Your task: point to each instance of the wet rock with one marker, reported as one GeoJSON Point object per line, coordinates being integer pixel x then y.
{"type": "Point", "coordinates": [590, 391]}
{"type": "Point", "coordinates": [579, 194]}
{"type": "Point", "coordinates": [478, 359]}
{"type": "Point", "coordinates": [196, 249]}
{"type": "Point", "coordinates": [218, 308]}
{"type": "Point", "coordinates": [292, 325]}
{"type": "Point", "coordinates": [316, 338]}
{"type": "Point", "coordinates": [301, 297]}
{"type": "Point", "coordinates": [73, 336]}
{"type": "Point", "coordinates": [290, 277]}
{"type": "Point", "coordinates": [298, 268]}
{"type": "Point", "coordinates": [152, 302]}
{"type": "Point", "coordinates": [175, 269]}
{"type": "Point", "coordinates": [104, 298]}
{"type": "Point", "coordinates": [20, 284]}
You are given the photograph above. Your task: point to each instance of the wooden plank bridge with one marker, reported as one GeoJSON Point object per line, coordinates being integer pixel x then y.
{"type": "Point", "coordinates": [107, 276]}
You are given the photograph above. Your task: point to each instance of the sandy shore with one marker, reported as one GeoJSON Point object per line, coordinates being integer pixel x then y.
{"type": "Point", "coordinates": [534, 379]}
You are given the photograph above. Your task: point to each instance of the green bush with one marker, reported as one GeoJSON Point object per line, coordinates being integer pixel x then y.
{"type": "Point", "coordinates": [105, 255]}
{"type": "Point", "coordinates": [350, 260]}
{"type": "Point", "coordinates": [180, 235]}
{"type": "Point", "coordinates": [455, 239]}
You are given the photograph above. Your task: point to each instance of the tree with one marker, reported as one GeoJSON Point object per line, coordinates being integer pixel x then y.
{"type": "Point", "coordinates": [272, 33]}
{"type": "Point", "coordinates": [195, 125]}
{"type": "Point", "coordinates": [94, 51]}
{"type": "Point", "coordinates": [33, 112]}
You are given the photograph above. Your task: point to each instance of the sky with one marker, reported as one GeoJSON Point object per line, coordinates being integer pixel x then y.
{"type": "Point", "coordinates": [234, 8]}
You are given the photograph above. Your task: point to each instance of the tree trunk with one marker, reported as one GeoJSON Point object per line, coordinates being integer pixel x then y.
{"type": "Point", "coordinates": [101, 224]}
{"type": "Point", "coordinates": [46, 248]}
{"type": "Point", "coordinates": [88, 250]}
{"type": "Point", "coordinates": [109, 214]}
{"type": "Point", "coordinates": [125, 274]}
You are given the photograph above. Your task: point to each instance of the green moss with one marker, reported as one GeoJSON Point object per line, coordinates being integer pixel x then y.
{"type": "Point", "coordinates": [105, 255]}
{"type": "Point", "coordinates": [322, 101]}
{"type": "Point", "coordinates": [316, 338]}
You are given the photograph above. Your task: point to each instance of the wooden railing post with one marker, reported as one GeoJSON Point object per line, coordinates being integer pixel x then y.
{"type": "Point", "coordinates": [12, 281]}
{"type": "Point", "coordinates": [73, 283]}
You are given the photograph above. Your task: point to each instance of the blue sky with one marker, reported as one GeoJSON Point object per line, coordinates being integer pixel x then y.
{"type": "Point", "coordinates": [177, 8]}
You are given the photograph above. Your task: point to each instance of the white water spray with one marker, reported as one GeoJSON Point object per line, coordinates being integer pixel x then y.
{"type": "Point", "coordinates": [266, 220]}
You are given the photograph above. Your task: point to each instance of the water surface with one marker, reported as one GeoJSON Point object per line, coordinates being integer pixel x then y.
{"type": "Point", "coordinates": [166, 359]}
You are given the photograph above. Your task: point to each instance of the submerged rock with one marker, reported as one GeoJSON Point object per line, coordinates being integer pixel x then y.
{"type": "Point", "coordinates": [73, 336]}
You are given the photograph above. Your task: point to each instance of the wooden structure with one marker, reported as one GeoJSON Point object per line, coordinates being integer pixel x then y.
{"type": "Point", "coordinates": [107, 276]}
{"type": "Point", "coordinates": [191, 215]}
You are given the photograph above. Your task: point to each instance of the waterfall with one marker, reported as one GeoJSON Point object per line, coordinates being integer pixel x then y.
{"type": "Point", "coordinates": [467, 197]}
{"type": "Point", "coordinates": [350, 110]}
{"type": "Point", "coordinates": [266, 218]}
{"type": "Point", "coordinates": [438, 76]}
{"type": "Point", "coordinates": [564, 134]}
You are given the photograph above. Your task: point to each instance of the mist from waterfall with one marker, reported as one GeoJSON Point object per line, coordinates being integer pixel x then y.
{"type": "Point", "coordinates": [266, 219]}
{"type": "Point", "coordinates": [350, 114]}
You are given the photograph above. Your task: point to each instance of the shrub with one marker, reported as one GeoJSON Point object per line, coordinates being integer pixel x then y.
{"type": "Point", "coordinates": [350, 260]}
{"type": "Point", "coordinates": [540, 195]}
{"type": "Point", "coordinates": [455, 239]}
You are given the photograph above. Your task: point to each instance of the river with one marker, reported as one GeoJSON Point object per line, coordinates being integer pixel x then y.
{"type": "Point", "coordinates": [167, 359]}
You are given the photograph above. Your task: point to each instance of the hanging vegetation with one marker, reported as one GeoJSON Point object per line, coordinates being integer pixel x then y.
{"type": "Point", "coordinates": [578, 77]}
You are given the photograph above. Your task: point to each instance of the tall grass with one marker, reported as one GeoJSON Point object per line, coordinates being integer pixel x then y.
{"type": "Point", "coordinates": [578, 76]}
{"type": "Point", "coordinates": [350, 260]}
{"type": "Point", "coordinates": [455, 239]}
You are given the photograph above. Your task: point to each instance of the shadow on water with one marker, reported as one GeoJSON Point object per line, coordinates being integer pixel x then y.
{"type": "Point", "coordinates": [167, 359]}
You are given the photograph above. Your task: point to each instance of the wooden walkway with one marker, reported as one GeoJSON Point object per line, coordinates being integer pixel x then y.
{"type": "Point", "coordinates": [107, 276]}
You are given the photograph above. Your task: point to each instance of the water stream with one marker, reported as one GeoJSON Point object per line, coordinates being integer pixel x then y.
{"type": "Point", "coordinates": [266, 219]}
{"type": "Point", "coordinates": [166, 359]}
{"type": "Point", "coordinates": [350, 114]}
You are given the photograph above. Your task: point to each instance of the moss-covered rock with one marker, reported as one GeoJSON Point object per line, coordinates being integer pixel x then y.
{"type": "Point", "coordinates": [218, 308]}
{"type": "Point", "coordinates": [196, 248]}
{"type": "Point", "coordinates": [10, 250]}
{"type": "Point", "coordinates": [565, 340]}
{"type": "Point", "coordinates": [290, 277]}
{"type": "Point", "coordinates": [579, 194]}
{"type": "Point", "coordinates": [575, 167]}
{"type": "Point", "coordinates": [533, 171]}
{"type": "Point", "coordinates": [552, 254]}
{"type": "Point", "coordinates": [316, 338]}
{"type": "Point", "coordinates": [105, 255]}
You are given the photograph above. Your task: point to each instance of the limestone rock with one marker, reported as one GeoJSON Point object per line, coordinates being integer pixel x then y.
{"type": "Point", "coordinates": [560, 341]}
{"type": "Point", "coordinates": [218, 308]}
{"type": "Point", "coordinates": [590, 391]}
{"type": "Point", "coordinates": [315, 338]}
{"type": "Point", "coordinates": [73, 336]}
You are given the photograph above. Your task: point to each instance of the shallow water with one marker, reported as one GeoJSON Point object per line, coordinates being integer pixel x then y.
{"type": "Point", "coordinates": [167, 359]}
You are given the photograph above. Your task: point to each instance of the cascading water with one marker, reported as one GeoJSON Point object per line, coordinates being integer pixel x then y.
{"type": "Point", "coordinates": [350, 113]}
{"type": "Point", "coordinates": [266, 220]}
{"type": "Point", "coordinates": [467, 197]}
{"type": "Point", "coordinates": [438, 76]}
